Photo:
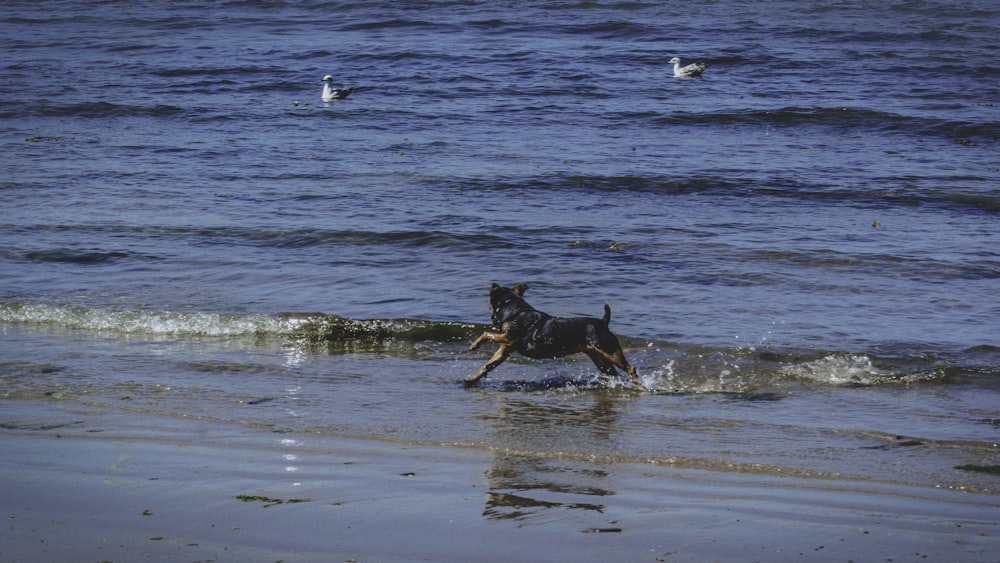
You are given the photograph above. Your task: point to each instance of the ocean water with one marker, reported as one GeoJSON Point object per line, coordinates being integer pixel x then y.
{"type": "Point", "coordinates": [800, 249]}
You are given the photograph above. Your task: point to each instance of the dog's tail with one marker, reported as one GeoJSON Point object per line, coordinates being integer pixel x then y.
{"type": "Point", "coordinates": [607, 313]}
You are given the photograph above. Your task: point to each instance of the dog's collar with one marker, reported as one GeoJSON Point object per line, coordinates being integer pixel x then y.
{"type": "Point", "coordinates": [501, 304]}
{"type": "Point", "coordinates": [497, 314]}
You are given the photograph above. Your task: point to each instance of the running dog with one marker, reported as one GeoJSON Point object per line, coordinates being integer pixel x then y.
{"type": "Point", "coordinates": [535, 334]}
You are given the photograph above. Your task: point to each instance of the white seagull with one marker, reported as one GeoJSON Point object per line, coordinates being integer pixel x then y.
{"type": "Point", "coordinates": [330, 93]}
{"type": "Point", "coordinates": [692, 70]}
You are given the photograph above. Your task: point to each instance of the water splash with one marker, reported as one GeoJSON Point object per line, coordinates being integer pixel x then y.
{"type": "Point", "coordinates": [840, 369]}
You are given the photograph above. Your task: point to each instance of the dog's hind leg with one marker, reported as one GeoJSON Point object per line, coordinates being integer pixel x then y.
{"type": "Point", "coordinates": [616, 359]}
{"type": "Point", "coordinates": [602, 363]}
{"type": "Point", "coordinates": [630, 370]}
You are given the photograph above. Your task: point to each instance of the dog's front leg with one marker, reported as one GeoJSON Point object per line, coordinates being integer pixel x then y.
{"type": "Point", "coordinates": [487, 336]}
{"type": "Point", "coordinates": [501, 354]}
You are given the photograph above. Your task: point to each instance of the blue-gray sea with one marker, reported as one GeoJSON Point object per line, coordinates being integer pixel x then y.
{"type": "Point", "coordinates": [801, 249]}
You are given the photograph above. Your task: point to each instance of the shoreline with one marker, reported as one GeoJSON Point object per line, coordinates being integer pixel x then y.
{"type": "Point", "coordinates": [200, 491]}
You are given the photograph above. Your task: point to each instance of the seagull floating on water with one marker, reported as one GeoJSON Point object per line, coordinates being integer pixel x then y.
{"type": "Point", "coordinates": [330, 93]}
{"type": "Point", "coordinates": [692, 70]}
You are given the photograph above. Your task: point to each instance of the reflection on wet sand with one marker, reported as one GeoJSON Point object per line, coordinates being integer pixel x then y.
{"type": "Point", "coordinates": [529, 478]}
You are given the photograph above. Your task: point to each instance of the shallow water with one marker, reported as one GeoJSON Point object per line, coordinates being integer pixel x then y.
{"type": "Point", "coordinates": [799, 249]}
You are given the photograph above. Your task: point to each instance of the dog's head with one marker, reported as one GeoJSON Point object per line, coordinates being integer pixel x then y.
{"type": "Point", "coordinates": [505, 301]}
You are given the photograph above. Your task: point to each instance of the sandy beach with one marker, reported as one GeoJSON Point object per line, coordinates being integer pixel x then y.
{"type": "Point", "coordinates": [122, 488]}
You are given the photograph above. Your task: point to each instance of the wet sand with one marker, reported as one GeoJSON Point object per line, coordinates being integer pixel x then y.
{"type": "Point", "coordinates": [192, 490]}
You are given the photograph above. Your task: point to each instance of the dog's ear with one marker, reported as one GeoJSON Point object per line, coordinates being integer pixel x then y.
{"type": "Point", "coordinates": [495, 286]}
{"type": "Point", "coordinates": [519, 289]}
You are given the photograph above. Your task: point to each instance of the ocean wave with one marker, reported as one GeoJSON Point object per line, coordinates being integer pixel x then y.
{"type": "Point", "coordinates": [332, 328]}
{"type": "Point", "coordinates": [398, 23]}
{"type": "Point", "coordinates": [74, 257]}
{"type": "Point", "coordinates": [313, 327]}
{"type": "Point", "coordinates": [751, 187]}
{"type": "Point", "coordinates": [146, 323]}
{"type": "Point", "coordinates": [845, 118]}
{"type": "Point", "coordinates": [96, 110]}
{"type": "Point", "coordinates": [264, 238]}
{"type": "Point", "coordinates": [852, 369]}
{"type": "Point", "coordinates": [664, 366]}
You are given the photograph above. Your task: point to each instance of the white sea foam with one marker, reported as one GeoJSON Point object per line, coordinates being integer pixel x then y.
{"type": "Point", "coordinates": [839, 369]}
{"type": "Point", "coordinates": [154, 323]}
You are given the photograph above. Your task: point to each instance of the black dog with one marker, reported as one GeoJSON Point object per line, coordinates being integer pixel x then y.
{"type": "Point", "coordinates": [535, 334]}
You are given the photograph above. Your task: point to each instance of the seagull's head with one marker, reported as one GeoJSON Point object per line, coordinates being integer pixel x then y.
{"type": "Point", "coordinates": [327, 78]}
{"type": "Point", "coordinates": [674, 61]}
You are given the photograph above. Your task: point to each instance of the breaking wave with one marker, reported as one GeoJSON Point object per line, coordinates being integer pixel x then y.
{"type": "Point", "coordinates": [317, 327]}
{"type": "Point", "coordinates": [664, 366]}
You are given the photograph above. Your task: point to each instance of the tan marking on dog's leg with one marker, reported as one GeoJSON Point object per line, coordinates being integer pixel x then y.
{"type": "Point", "coordinates": [490, 337]}
{"type": "Point", "coordinates": [502, 353]}
{"type": "Point", "coordinates": [634, 374]}
{"type": "Point", "coordinates": [618, 359]}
